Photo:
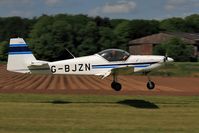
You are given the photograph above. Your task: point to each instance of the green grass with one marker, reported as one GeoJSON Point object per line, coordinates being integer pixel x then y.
{"type": "Point", "coordinates": [3, 62]}
{"type": "Point", "coordinates": [26, 113]}
{"type": "Point", "coordinates": [179, 69]}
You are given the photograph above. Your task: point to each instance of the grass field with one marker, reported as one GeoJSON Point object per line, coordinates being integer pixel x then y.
{"type": "Point", "coordinates": [27, 113]}
{"type": "Point", "coordinates": [179, 69]}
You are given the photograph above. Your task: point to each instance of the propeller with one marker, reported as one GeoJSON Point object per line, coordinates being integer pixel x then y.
{"type": "Point", "coordinates": [165, 59]}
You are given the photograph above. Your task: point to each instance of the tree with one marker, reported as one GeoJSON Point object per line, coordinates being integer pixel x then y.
{"type": "Point", "coordinates": [83, 35]}
{"type": "Point", "coordinates": [122, 35]}
{"type": "Point", "coordinates": [140, 28]}
{"type": "Point", "coordinates": [116, 22]}
{"type": "Point", "coordinates": [50, 37]}
{"type": "Point", "coordinates": [173, 25]}
{"type": "Point", "coordinates": [128, 30]}
{"type": "Point", "coordinates": [89, 43]}
{"type": "Point", "coordinates": [3, 50]}
{"type": "Point", "coordinates": [192, 23]}
{"type": "Point", "coordinates": [14, 27]}
{"type": "Point", "coordinates": [107, 38]}
{"type": "Point", "coordinates": [105, 22]}
{"type": "Point", "coordinates": [175, 48]}
{"type": "Point", "coordinates": [160, 49]}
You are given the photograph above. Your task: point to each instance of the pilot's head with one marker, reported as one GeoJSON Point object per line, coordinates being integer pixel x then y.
{"type": "Point", "coordinates": [113, 52]}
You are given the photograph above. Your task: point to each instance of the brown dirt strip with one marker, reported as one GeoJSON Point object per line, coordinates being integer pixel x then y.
{"type": "Point", "coordinates": [65, 84]}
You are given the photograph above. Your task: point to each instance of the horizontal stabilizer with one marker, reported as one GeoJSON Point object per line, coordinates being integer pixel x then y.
{"type": "Point", "coordinates": [38, 63]}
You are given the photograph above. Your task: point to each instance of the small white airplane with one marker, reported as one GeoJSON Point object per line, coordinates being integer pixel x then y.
{"type": "Point", "coordinates": [108, 62]}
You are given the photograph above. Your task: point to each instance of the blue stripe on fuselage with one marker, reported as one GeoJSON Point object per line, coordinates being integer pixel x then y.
{"type": "Point", "coordinates": [141, 66]}
{"type": "Point", "coordinates": [135, 65]}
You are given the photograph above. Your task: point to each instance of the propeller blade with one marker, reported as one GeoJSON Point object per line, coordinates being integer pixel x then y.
{"type": "Point", "coordinates": [165, 58]}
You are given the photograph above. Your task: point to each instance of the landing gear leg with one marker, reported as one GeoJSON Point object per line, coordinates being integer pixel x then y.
{"type": "Point", "coordinates": [150, 84]}
{"type": "Point", "coordinates": [115, 85]}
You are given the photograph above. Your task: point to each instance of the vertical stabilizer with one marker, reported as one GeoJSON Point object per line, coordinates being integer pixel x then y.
{"type": "Point", "coordinates": [19, 56]}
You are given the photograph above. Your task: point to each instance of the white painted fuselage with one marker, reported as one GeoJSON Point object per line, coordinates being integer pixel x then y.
{"type": "Point", "coordinates": [97, 65]}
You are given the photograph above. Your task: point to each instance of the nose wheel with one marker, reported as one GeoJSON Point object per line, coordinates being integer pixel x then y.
{"type": "Point", "coordinates": [150, 85]}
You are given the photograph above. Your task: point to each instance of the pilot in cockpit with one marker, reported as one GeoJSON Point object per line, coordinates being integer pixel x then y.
{"type": "Point", "coordinates": [114, 55]}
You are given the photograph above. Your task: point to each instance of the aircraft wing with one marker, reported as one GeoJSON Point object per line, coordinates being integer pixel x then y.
{"type": "Point", "coordinates": [123, 70]}
{"type": "Point", "coordinates": [119, 70]}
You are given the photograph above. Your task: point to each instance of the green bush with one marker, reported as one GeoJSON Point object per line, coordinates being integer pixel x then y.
{"type": "Point", "coordinates": [175, 48]}
{"type": "Point", "coordinates": [3, 50]}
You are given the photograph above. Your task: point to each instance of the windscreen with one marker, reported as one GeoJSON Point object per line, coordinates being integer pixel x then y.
{"type": "Point", "coordinates": [114, 54]}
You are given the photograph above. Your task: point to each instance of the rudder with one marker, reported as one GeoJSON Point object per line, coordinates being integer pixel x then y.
{"type": "Point", "coordinates": [19, 56]}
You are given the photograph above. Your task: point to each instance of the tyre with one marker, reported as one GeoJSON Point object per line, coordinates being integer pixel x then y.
{"type": "Point", "coordinates": [116, 86]}
{"type": "Point", "coordinates": [150, 85]}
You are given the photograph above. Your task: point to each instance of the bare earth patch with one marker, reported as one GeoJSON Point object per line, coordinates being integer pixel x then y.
{"type": "Point", "coordinates": [132, 85]}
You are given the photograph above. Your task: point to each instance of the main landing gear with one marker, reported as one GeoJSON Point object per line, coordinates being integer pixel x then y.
{"type": "Point", "coordinates": [115, 85]}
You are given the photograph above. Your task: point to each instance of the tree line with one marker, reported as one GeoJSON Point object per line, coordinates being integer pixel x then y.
{"type": "Point", "coordinates": [49, 36]}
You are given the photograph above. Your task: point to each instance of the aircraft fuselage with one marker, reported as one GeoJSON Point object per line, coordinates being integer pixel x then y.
{"type": "Point", "coordinates": [95, 64]}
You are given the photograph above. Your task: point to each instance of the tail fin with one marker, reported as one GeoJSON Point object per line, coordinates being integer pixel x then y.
{"type": "Point", "coordinates": [19, 56]}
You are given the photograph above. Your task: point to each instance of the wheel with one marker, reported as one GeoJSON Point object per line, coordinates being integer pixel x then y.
{"type": "Point", "coordinates": [150, 85]}
{"type": "Point", "coordinates": [116, 86]}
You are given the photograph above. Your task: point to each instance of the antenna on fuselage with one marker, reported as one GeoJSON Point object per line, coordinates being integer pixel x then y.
{"type": "Point", "coordinates": [70, 53]}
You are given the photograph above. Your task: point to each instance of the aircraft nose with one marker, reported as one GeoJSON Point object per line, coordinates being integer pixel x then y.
{"type": "Point", "coordinates": [170, 59]}
{"type": "Point", "coordinates": [166, 59]}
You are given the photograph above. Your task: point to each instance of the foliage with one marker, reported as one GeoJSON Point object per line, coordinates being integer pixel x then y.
{"type": "Point", "coordinates": [128, 30]}
{"type": "Point", "coordinates": [192, 22]}
{"type": "Point", "coordinates": [175, 48]}
{"type": "Point", "coordinates": [3, 50]}
{"type": "Point", "coordinates": [140, 28]}
{"type": "Point", "coordinates": [15, 27]}
{"type": "Point", "coordinates": [122, 34]}
{"type": "Point", "coordinates": [173, 24]}
{"type": "Point", "coordinates": [187, 24]}
{"type": "Point", "coordinates": [49, 36]}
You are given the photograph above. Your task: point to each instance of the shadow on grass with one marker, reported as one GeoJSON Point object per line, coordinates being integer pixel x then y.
{"type": "Point", "coordinates": [139, 104]}
{"type": "Point", "coordinates": [59, 102]}
{"type": "Point", "coordinates": [133, 103]}
{"type": "Point", "coordinates": [130, 102]}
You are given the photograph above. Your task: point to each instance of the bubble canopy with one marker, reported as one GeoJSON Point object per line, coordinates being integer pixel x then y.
{"type": "Point", "coordinates": [114, 54]}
